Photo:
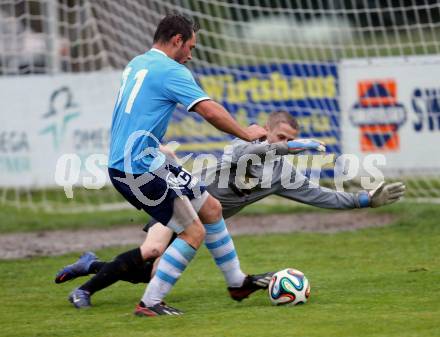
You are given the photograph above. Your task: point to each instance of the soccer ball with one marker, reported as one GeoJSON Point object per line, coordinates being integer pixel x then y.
{"type": "Point", "coordinates": [289, 286]}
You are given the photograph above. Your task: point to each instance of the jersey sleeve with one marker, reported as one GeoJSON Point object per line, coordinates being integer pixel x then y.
{"type": "Point", "coordinates": [181, 87]}
{"type": "Point", "coordinates": [241, 148]}
{"type": "Point", "coordinates": [315, 195]}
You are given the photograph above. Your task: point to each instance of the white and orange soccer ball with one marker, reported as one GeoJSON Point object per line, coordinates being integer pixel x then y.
{"type": "Point", "coordinates": [289, 287]}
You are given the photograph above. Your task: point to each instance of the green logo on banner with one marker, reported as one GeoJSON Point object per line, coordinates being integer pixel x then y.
{"type": "Point", "coordinates": [62, 109]}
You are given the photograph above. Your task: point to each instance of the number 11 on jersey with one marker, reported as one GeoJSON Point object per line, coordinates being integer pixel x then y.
{"type": "Point", "coordinates": [139, 78]}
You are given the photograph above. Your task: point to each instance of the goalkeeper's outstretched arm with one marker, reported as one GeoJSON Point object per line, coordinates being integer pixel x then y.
{"type": "Point", "coordinates": [315, 195]}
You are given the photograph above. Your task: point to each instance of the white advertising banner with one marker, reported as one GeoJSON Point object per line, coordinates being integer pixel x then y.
{"type": "Point", "coordinates": [391, 106]}
{"type": "Point", "coordinates": [44, 117]}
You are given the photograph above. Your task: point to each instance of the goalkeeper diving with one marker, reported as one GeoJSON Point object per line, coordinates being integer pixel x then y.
{"type": "Point", "coordinates": [138, 265]}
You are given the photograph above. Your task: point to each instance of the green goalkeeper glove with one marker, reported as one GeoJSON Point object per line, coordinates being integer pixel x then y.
{"type": "Point", "coordinates": [386, 194]}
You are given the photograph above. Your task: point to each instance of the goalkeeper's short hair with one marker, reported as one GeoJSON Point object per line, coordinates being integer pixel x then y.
{"type": "Point", "coordinates": [281, 116]}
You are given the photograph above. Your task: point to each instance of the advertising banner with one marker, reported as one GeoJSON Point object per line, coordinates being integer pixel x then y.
{"type": "Point", "coordinates": [44, 117]}
{"type": "Point", "coordinates": [309, 91]}
{"type": "Point", "coordinates": [392, 106]}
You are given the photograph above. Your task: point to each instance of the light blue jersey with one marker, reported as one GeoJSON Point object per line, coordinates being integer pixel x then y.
{"type": "Point", "coordinates": [152, 85]}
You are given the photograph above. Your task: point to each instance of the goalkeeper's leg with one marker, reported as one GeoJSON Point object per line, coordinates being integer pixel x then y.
{"type": "Point", "coordinates": [133, 266]}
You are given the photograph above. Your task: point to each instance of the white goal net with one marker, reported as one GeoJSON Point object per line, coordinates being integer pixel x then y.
{"type": "Point", "coordinates": [360, 75]}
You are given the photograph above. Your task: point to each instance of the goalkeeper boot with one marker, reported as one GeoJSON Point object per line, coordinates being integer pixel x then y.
{"type": "Point", "coordinates": [79, 268]}
{"type": "Point", "coordinates": [251, 284]}
{"type": "Point", "coordinates": [80, 299]}
{"type": "Point", "coordinates": [155, 310]}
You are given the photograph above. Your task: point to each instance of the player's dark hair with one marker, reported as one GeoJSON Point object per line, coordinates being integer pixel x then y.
{"type": "Point", "coordinates": [278, 117]}
{"type": "Point", "coordinates": [174, 24]}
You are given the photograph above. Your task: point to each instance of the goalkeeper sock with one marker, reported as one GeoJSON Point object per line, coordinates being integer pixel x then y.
{"type": "Point", "coordinates": [96, 266]}
{"type": "Point", "coordinates": [220, 245]}
{"type": "Point", "coordinates": [171, 265]}
{"type": "Point", "coordinates": [125, 267]}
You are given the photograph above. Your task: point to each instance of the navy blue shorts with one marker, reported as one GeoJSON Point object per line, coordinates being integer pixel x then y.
{"type": "Point", "coordinates": [156, 196]}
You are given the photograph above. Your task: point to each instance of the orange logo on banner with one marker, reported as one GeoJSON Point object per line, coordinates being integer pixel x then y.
{"type": "Point", "coordinates": [378, 115]}
{"type": "Point", "coordinates": [379, 138]}
{"type": "Point", "coordinates": [377, 92]}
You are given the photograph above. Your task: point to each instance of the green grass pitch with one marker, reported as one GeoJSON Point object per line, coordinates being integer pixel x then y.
{"type": "Point", "coordinates": [372, 282]}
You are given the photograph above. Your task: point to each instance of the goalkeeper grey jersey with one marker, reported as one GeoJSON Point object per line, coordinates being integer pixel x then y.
{"type": "Point", "coordinates": [237, 185]}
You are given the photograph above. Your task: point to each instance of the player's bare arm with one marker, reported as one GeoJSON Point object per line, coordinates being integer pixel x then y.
{"type": "Point", "coordinates": [217, 115]}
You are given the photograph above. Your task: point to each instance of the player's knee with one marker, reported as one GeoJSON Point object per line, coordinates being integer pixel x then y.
{"type": "Point", "coordinates": [216, 211]}
{"type": "Point", "coordinates": [211, 211]}
{"type": "Point", "coordinates": [152, 250]}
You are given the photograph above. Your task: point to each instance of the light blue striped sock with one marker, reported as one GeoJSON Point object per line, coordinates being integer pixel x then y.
{"type": "Point", "coordinates": [171, 265]}
{"type": "Point", "coordinates": [220, 244]}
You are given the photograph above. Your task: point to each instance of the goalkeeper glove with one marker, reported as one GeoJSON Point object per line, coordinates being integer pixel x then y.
{"type": "Point", "coordinates": [300, 145]}
{"type": "Point", "coordinates": [386, 194]}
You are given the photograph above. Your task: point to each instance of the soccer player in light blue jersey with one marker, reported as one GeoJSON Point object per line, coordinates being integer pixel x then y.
{"type": "Point", "coordinates": [152, 85]}
{"type": "Point", "coordinates": [281, 137]}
